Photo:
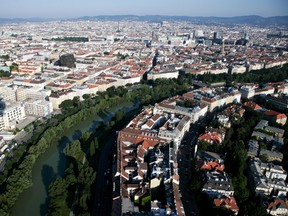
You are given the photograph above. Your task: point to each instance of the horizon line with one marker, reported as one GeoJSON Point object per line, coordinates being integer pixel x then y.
{"type": "Point", "coordinates": [111, 15]}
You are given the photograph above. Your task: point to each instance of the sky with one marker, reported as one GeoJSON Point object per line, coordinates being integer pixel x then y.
{"type": "Point", "coordinates": [78, 8]}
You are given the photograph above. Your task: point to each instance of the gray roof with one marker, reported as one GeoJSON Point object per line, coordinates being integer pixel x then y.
{"type": "Point", "coordinates": [262, 135]}
{"type": "Point", "coordinates": [218, 185]}
{"type": "Point", "coordinates": [253, 147]}
{"type": "Point", "coordinates": [275, 130]}
{"type": "Point", "coordinates": [261, 124]}
{"type": "Point", "coordinates": [273, 154]}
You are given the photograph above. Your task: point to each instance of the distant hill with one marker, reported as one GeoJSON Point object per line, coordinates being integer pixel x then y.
{"type": "Point", "coordinates": [251, 20]}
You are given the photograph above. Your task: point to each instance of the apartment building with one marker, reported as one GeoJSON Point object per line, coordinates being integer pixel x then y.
{"type": "Point", "coordinates": [163, 74]}
{"type": "Point", "coordinates": [58, 97]}
{"type": "Point", "coordinates": [11, 115]}
{"type": "Point", "coordinates": [21, 94]}
{"type": "Point", "coordinates": [267, 177]}
{"type": "Point", "coordinates": [8, 94]}
{"type": "Point", "coordinates": [38, 107]}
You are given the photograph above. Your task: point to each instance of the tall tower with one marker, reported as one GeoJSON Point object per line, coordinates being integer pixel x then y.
{"type": "Point", "coordinates": [215, 35]}
{"type": "Point", "coordinates": [152, 38]}
{"type": "Point", "coordinates": [118, 30]}
{"type": "Point", "coordinates": [246, 36]}
{"type": "Point", "coordinates": [222, 48]}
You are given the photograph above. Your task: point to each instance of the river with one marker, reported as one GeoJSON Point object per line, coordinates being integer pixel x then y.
{"type": "Point", "coordinates": [52, 163]}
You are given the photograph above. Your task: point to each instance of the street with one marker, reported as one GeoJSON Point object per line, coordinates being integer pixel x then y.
{"type": "Point", "coordinates": [102, 201]}
{"type": "Point", "coordinates": [185, 154]}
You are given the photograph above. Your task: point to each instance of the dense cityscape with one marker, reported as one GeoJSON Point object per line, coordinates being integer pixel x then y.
{"type": "Point", "coordinates": [169, 117]}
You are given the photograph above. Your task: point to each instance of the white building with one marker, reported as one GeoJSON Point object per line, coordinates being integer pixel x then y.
{"type": "Point", "coordinates": [20, 94]}
{"type": "Point", "coordinates": [161, 75]}
{"type": "Point", "coordinates": [38, 107]}
{"type": "Point", "coordinates": [220, 101]}
{"type": "Point", "coordinates": [174, 130]}
{"type": "Point", "coordinates": [39, 94]}
{"type": "Point", "coordinates": [10, 115]}
{"type": "Point", "coordinates": [247, 92]}
{"type": "Point", "coordinates": [198, 112]}
{"type": "Point", "coordinates": [7, 94]}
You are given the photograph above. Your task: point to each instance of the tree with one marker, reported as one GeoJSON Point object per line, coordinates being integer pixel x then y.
{"type": "Point", "coordinates": [6, 57]}
{"type": "Point", "coordinates": [14, 66]}
{"type": "Point", "coordinates": [74, 39]}
{"type": "Point", "coordinates": [92, 148]}
{"type": "Point", "coordinates": [222, 210]}
{"type": "Point", "coordinates": [85, 136]}
{"type": "Point", "coordinates": [4, 73]}
{"type": "Point", "coordinates": [74, 150]}
{"type": "Point", "coordinates": [263, 146]}
{"type": "Point", "coordinates": [76, 101]}
{"type": "Point", "coordinates": [58, 194]}
{"type": "Point", "coordinates": [119, 115]}
{"type": "Point", "coordinates": [203, 145]}
{"type": "Point", "coordinates": [229, 79]}
{"type": "Point", "coordinates": [86, 96]}
{"type": "Point", "coordinates": [188, 103]}
{"type": "Point", "coordinates": [195, 184]}
{"type": "Point", "coordinates": [66, 104]}
{"type": "Point", "coordinates": [96, 143]}
{"type": "Point", "coordinates": [264, 158]}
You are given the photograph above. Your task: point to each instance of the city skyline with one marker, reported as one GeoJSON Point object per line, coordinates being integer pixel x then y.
{"type": "Point", "coordinates": [73, 9]}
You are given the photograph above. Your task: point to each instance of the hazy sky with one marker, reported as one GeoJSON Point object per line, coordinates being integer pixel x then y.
{"type": "Point", "coordinates": [76, 8]}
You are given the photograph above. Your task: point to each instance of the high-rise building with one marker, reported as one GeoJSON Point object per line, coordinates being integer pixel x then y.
{"type": "Point", "coordinates": [199, 33]}
{"type": "Point", "coordinates": [215, 35]}
{"type": "Point", "coordinates": [246, 36]}
{"type": "Point", "coordinates": [21, 94]}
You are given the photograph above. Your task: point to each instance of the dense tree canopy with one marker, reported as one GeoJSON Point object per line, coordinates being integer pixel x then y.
{"type": "Point", "coordinates": [4, 73]}
{"type": "Point", "coordinates": [259, 76]}
{"type": "Point", "coordinates": [73, 39]}
{"type": "Point", "coordinates": [6, 57]}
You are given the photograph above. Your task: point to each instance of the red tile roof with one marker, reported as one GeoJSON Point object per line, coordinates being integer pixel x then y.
{"type": "Point", "coordinates": [252, 105]}
{"type": "Point", "coordinates": [271, 113]}
{"type": "Point", "coordinates": [276, 203]}
{"type": "Point", "coordinates": [228, 202]}
{"type": "Point", "coordinates": [211, 165]}
{"type": "Point", "coordinates": [212, 137]}
{"type": "Point", "coordinates": [281, 116]}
